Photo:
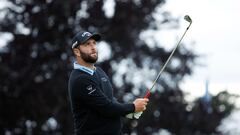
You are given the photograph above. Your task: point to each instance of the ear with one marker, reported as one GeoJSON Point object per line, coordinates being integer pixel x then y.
{"type": "Point", "coordinates": [76, 52]}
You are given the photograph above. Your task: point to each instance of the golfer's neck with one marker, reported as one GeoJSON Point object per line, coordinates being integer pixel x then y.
{"type": "Point", "coordinates": [83, 63]}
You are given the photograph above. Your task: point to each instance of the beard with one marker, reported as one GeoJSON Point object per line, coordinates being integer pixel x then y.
{"type": "Point", "coordinates": [88, 58]}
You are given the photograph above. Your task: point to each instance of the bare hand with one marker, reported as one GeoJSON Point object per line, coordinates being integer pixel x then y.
{"type": "Point", "coordinates": [140, 104]}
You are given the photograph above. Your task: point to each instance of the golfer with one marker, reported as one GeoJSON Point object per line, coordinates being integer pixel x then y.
{"type": "Point", "coordinates": [95, 110]}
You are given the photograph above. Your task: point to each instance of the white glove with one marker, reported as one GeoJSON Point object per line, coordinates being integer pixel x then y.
{"type": "Point", "coordinates": [135, 115]}
{"type": "Point", "coordinates": [130, 115]}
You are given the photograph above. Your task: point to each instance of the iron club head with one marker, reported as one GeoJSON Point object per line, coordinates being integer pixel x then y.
{"type": "Point", "coordinates": [187, 18]}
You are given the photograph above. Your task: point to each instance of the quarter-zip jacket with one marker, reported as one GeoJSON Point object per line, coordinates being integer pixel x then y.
{"type": "Point", "coordinates": [95, 111]}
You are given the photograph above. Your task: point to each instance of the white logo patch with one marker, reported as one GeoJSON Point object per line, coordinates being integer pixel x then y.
{"type": "Point", "coordinates": [86, 34]}
{"type": "Point", "coordinates": [75, 43]}
{"type": "Point", "coordinates": [90, 89]}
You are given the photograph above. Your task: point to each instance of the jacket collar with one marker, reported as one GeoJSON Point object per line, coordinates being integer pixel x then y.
{"type": "Point", "coordinates": [83, 68]}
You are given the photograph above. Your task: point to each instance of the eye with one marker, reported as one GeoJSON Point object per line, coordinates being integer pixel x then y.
{"type": "Point", "coordinates": [87, 44]}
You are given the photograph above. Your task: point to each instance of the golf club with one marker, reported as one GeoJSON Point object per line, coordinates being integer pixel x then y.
{"type": "Point", "coordinates": [148, 92]}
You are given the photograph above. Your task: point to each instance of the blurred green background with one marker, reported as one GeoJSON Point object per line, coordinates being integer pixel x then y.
{"type": "Point", "coordinates": [36, 60]}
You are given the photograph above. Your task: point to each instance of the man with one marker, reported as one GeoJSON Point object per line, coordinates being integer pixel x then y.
{"type": "Point", "coordinates": [95, 110]}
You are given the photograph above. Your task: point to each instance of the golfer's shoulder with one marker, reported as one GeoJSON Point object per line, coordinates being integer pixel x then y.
{"type": "Point", "coordinates": [100, 70]}
{"type": "Point", "coordinates": [82, 76]}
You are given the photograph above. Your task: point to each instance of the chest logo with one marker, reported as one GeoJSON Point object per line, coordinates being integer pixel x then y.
{"type": "Point", "coordinates": [104, 79]}
{"type": "Point", "coordinates": [90, 89]}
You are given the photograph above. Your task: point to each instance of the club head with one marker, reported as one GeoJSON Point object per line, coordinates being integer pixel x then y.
{"type": "Point", "coordinates": [187, 18]}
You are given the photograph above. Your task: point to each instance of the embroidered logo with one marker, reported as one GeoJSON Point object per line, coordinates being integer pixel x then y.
{"type": "Point", "coordinates": [75, 43]}
{"type": "Point", "coordinates": [90, 89]}
{"type": "Point", "coordinates": [104, 79]}
{"type": "Point", "coordinates": [86, 34]}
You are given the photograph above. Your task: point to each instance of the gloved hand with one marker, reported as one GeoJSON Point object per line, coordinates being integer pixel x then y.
{"type": "Point", "coordinates": [130, 115]}
{"type": "Point", "coordinates": [140, 106]}
{"type": "Point", "coordinates": [135, 115]}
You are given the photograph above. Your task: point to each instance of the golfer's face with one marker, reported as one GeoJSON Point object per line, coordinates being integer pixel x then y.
{"type": "Point", "coordinates": [88, 51]}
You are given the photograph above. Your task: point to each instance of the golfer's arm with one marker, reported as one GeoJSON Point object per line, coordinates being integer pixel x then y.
{"type": "Point", "coordinates": [98, 101]}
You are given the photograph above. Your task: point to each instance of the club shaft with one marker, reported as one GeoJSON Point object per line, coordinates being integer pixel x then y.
{"type": "Point", "coordinates": [164, 66]}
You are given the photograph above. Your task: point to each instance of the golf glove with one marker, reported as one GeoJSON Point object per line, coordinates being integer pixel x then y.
{"type": "Point", "coordinates": [135, 115]}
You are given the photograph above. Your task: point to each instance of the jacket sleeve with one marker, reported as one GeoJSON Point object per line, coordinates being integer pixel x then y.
{"type": "Point", "coordinates": [90, 93]}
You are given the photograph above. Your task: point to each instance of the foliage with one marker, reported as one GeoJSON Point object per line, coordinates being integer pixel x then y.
{"type": "Point", "coordinates": [36, 63]}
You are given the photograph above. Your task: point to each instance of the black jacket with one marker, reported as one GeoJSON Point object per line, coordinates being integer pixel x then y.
{"type": "Point", "coordinates": [95, 112]}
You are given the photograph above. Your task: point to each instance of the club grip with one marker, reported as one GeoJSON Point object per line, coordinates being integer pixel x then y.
{"type": "Point", "coordinates": [148, 93]}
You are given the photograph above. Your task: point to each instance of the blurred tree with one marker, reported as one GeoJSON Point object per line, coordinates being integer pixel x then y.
{"type": "Point", "coordinates": [36, 63]}
{"type": "Point", "coordinates": [206, 121]}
